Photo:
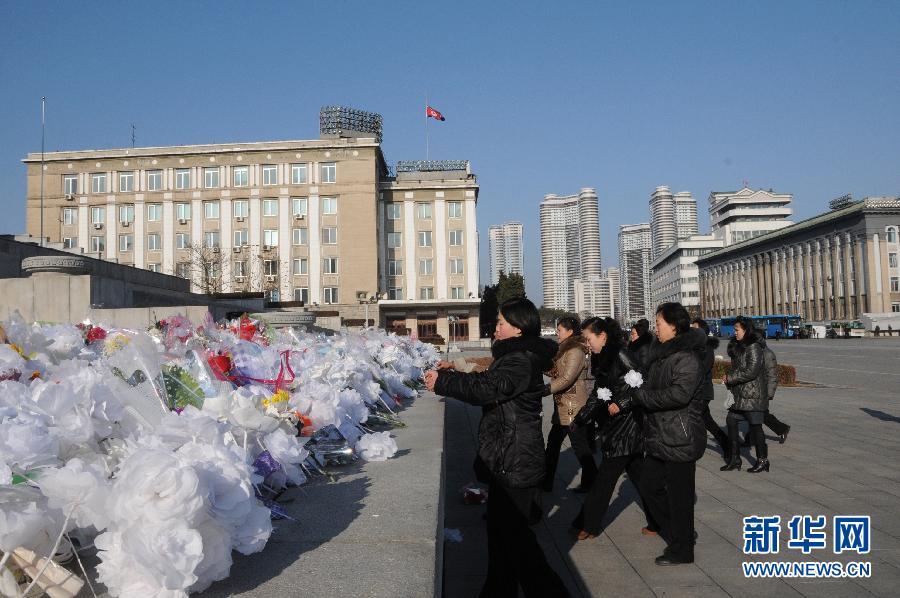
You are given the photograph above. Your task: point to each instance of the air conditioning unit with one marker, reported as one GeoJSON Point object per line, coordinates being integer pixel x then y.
{"type": "Point", "coordinates": [267, 248]}
{"type": "Point", "coordinates": [238, 279]}
{"type": "Point", "coordinates": [240, 218]}
{"type": "Point", "coordinates": [215, 250]}
{"type": "Point", "coordinates": [70, 197]}
{"type": "Point", "coordinates": [126, 224]}
{"type": "Point", "coordinates": [299, 216]}
{"type": "Point", "coordinates": [236, 249]}
{"type": "Point", "coordinates": [98, 226]}
{"type": "Point", "coordinates": [270, 278]}
{"type": "Point", "coordinates": [182, 221]}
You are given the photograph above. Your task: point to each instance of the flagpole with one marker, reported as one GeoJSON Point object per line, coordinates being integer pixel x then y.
{"type": "Point", "coordinates": [43, 99]}
{"type": "Point", "coordinates": [426, 126]}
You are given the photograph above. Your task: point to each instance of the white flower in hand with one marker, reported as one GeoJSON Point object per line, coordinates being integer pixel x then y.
{"type": "Point", "coordinates": [634, 379]}
{"type": "Point", "coordinates": [604, 394]}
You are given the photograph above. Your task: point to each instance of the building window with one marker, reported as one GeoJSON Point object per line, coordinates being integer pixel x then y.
{"type": "Point", "coordinates": [328, 171]}
{"type": "Point", "coordinates": [98, 244]}
{"type": "Point", "coordinates": [241, 209]}
{"type": "Point", "coordinates": [126, 181]}
{"type": "Point", "coordinates": [891, 234]}
{"type": "Point", "coordinates": [211, 239]}
{"type": "Point", "coordinates": [301, 294]}
{"type": "Point", "coordinates": [895, 307]}
{"type": "Point", "coordinates": [98, 182]}
{"type": "Point", "coordinates": [182, 240]}
{"type": "Point", "coordinates": [454, 209]}
{"type": "Point", "coordinates": [329, 295]}
{"type": "Point", "coordinates": [270, 237]}
{"type": "Point", "coordinates": [330, 265]}
{"type": "Point", "coordinates": [154, 180]}
{"type": "Point", "coordinates": [299, 206]}
{"type": "Point", "coordinates": [895, 284]}
{"type": "Point", "coordinates": [456, 293]}
{"type": "Point", "coordinates": [270, 267]}
{"type": "Point", "coordinates": [70, 242]}
{"type": "Point", "coordinates": [426, 293]}
{"type": "Point", "coordinates": [456, 265]}
{"type": "Point", "coordinates": [329, 206]}
{"type": "Point", "coordinates": [300, 236]}
{"type": "Point", "coordinates": [393, 211]}
{"type": "Point", "coordinates": [98, 215]}
{"type": "Point", "coordinates": [424, 238]}
{"type": "Point", "coordinates": [240, 268]}
{"type": "Point", "coordinates": [329, 235]}
{"type": "Point", "coordinates": [183, 211]}
{"type": "Point", "coordinates": [126, 242]}
{"type": "Point", "coordinates": [456, 238]}
{"type": "Point", "coordinates": [154, 267]}
{"type": "Point", "coordinates": [211, 209]}
{"type": "Point", "coordinates": [70, 215]}
{"type": "Point", "coordinates": [892, 260]}
{"type": "Point", "coordinates": [395, 268]}
{"type": "Point", "coordinates": [241, 176]}
{"type": "Point", "coordinates": [126, 214]}
{"type": "Point", "coordinates": [426, 267]}
{"type": "Point", "coordinates": [153, 242]}
{"type": "Point", "coordinates": [241, 237]}
{"type": "Point", "coordinates": [154, 212]}
{"type": "Point", "coordinates": [423, 211]}
{"type": "Point", "coordinates": [394, 240]}
{"type": "Point", "coordinates": [70, 184]}
{"type": "Point", "coordinates": [270, 207]}
{"type": "Point", "coordinates": [270, 174]}
{"type": "Point", "coordinates": [211, 177]}
{"type": "Point", "coordinates": [301, 266]}
{"type": "Point", "coordinates": [183, 269]}
{"type": "Point", "coordinates": [395, 293]}
{"type": "Point", "coordinates": [182, 178]}
{"type": "Point", "coordinates": [298, 174]}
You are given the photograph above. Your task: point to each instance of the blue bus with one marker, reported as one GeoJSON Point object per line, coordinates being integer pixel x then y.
{"type": "Point", "coordinates": [772, 326]}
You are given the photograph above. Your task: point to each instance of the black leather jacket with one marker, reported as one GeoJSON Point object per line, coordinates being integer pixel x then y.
{"type": "Point", "coordinates": [709, 358]}
{"type": "Point", "coordinates": [510, 393]}
{"type": "Point", "coordinates": [747, 376]}
{"type": "Point", "coordinates": [671, 399]}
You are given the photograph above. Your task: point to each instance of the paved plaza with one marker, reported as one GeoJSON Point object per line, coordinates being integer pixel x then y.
{"type": "Point", "coordinates": [841, 458]}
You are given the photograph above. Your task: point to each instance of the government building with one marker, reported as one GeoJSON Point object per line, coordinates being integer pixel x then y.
{"type": "Point", "coordinates": [322, 222]}
{"type": "Point", "coordinates": [836, 266]}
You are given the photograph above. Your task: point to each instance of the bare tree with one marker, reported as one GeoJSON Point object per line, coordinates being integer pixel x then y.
{"type": "Point", "coordinates": [207, 267]}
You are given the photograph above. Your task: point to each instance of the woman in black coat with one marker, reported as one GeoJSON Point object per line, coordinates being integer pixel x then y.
{"type": "Point", "coordinates": [639, 340]}
{"type": "Point", "coordinates": [620, 435]}
{"type": "Point", "coordinates": [709, 360]}
{"type": "Point", "coordinates": [747, 381]}
{"type": "Point", "coordinates": [674, 439]}
{"type": "Point", "coordinates": [510, 448]}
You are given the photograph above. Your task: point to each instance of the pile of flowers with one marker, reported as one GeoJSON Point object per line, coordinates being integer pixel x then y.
{"type": "Point", "coordinates": [166, 448]}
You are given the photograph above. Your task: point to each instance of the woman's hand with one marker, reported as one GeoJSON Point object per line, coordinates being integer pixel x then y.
{"type": "Point", "coordinates": [431, 377]}
{"type": "Point", "coordinates": [613, 409]}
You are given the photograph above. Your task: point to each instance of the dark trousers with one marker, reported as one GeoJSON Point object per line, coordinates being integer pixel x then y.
{"type": "Point", "coordinates": [580, 438]}
{"type": "Point", "coordinates": [514, 556]}
{"type": "Point", "coordinates": [775, 424]}
{"type": "Point", "coordinates": [596, 503]}
{"type": "Point", "coordinates": [668, 491]}
{"type": "Point", "coordinates": [713, 428]}
{"type": "Point", "coordinates": [733, 420]}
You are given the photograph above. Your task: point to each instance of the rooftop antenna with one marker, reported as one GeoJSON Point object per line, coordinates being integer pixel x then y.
{"type": "Point", "coordinates": [132, 135]}
{"type": "Point", "coordinates": [746, 183]}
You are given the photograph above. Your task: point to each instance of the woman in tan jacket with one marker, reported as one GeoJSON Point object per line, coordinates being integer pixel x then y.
{"type": "Point", "coordinates": [569, 386]}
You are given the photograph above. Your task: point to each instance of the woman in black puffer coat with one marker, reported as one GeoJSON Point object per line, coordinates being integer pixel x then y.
{"type": "Point", "coordinates": [620, 435]}
{"type": "Point", "coordinates": [709, 360]}
{"type": "Point", "coordinates": [510, 448]}
{"type": "Point", "coordinates": [674, 439]}
{"type": "Point", "coordinates": [639, 340]}
{"type": "Point", "coordinates": [747, 381]}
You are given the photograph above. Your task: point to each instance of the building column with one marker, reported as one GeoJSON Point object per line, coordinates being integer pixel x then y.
{"type": "Point", "coordinates": [470, 240]}
{"type": "Point", "coordinates": [847, 271]}
{"type": "Point", "coordinates": [409, 248]}
{"type": "Point", "coordinates": [139, 236]}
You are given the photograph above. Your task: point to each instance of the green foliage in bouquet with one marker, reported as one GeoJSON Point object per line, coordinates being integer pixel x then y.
{"type": "Point", "coordinates": [181, 388]}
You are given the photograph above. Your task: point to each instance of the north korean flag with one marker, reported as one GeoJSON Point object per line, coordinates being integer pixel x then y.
{"type": "Point", "coordinates": [432, 113]}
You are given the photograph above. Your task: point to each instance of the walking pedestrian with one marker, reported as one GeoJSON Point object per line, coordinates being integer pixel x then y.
{"type": "Point", "coordinates": [780, 428]}
{"type": "Point", "coordinates": [639, 340]}
{"type": "Point", "coordinates": [620, 434]}
{"type": "Point", "coordinates": [569, 387]}
{"type": "Point", "coordinates": [708, 392]}
{"type": "Point", "coordinates": [747, 381]}
{"type": "Point", "coordinates": [510, 449]}
{"type": "Point", "coordinates": [674, 438]}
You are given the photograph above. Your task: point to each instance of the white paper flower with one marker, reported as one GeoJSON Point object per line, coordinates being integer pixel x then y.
{"type": "Point", "coordinates": [604, 394]}
{"type": "Point", "coordinates": [78, 489]}
{"type": "Point", "coordinates": [378, 446]}
{"type": "Point", "coordinates": [634, 379]}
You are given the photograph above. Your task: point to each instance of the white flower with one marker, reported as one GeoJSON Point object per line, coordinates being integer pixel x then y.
{"type": "Point", "coordinates": [634, 379]}
{"type": "Point", "coordinates": [378, 446]}
{"type": "Point", "coordinates": [604, 394]}
{"type": "Point", "coordinates": [78, 489]}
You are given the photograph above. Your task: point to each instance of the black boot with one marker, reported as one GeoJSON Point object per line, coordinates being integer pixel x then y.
{"type": "Point", "coordinates": [762, 464]}
{"type": "Point", "coordinates": [783, 437]}
{"type": "Point", "coordinates": [734, 462]}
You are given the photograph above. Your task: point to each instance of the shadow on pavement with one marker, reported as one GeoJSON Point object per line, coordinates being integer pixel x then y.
{"type": "Point", "coordinates": [877, 414]}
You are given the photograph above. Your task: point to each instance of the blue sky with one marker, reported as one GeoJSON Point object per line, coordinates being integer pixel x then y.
{"type": "Point", "coordinates": [542, 97]}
